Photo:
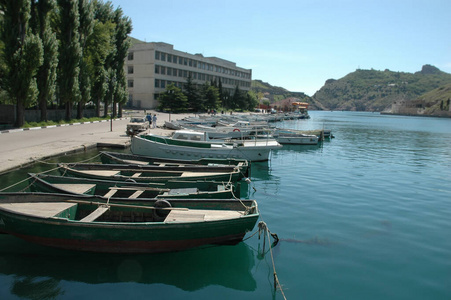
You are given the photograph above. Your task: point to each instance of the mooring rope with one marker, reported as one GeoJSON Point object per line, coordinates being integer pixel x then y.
{"type": "Point", "coordinates": [43, 172]}
{"type": "Point", "coordinates": [263, 227]}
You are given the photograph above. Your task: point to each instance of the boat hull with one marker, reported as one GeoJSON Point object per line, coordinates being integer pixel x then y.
{"type": "Point", "coordinates": [258, 152]}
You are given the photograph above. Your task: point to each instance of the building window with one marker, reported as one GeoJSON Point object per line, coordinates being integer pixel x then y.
{"type": "Point", "coordinates": [130, 56]}
{"type": "Point", "coordinates": [163, 56]}
{"type": "Point", "coordinates": [190, 63]}
{"type": "Point", "coordinates": [157, 69]}
{"type": "Point", "coordinates": [174, 59]}
{"type": "Point", "coordinates": [130, 83]}
{"type": "Point", "coordinates": [180, 60]}
{"type": "Point", "coordinates": [130, 69]}
{"type": "Point", "coordinates": [170, 71]}
{"type": "Point", "coordinates": [185, 73]}
{"type": "Point", "coordinates": [163, 84]}
{"type": "Point", "coordinates": [163, 70]}
{"type": "Point", "coordinates": [157, 55]}
{"type": "Point", "coordinates": [157, 83]}
{"type": "Point", "coordinates": [169, 57]}
{"type": "Point", "coordinates": [180, 73]}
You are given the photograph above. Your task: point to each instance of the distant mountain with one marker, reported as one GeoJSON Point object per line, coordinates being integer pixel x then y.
{"type": "Point", "coordinates": [371, 90]}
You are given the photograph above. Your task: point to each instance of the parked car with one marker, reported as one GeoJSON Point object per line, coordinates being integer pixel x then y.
{"type": "Point", "coordinates": [137, 125]}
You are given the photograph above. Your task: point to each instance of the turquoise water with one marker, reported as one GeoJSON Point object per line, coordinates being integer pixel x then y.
{"type": "Point", "coordinates": [363, 216]}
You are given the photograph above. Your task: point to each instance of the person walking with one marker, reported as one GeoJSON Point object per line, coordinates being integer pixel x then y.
{"type": "Point", "coordinates": [154, 121]}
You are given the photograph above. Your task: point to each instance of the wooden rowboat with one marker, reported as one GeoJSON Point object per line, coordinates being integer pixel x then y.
{"type": "Point", "coordinates": [123, 189]}
{"type": "Point", "coordinates": [90, 224]}
{"type": "Point", "coordinates": [135, 173]}
{"type": "Point", "coordinates": [127, 159]}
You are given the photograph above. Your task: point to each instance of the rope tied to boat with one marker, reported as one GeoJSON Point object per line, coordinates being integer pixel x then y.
{"type": "Point", "coordinates": [262, 229]}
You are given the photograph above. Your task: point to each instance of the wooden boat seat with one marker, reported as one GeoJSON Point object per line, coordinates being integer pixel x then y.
{"type": "Point", "coordinates": [75, 188]}
{"type": "Point", "coordinates": [198, 215]}
{"type": "Point", "coordinates": [136, 194]}
{"type": "Point", "coordinates": [189, 174]}
{"type": "Point", "coordinates": [135, 162]}
{"type": "Point", "coordinates": [101, 172]}
{"type": "Point", "coordinates": [95, 214]}
{"type": "Point", "coordinates": [110, 193]}
{"type": "Point", "coordinates": [181, 191]}
{"type": "Point", "coordinates": [38, 209]}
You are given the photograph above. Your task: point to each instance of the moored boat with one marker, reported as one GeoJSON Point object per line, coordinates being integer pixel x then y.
{"type": "Point", "coordinates": [128, 158]}
{"type": "Point", "coordinates": [96, 225]}
{"type": "Point", "coordinates": [294, 137]}
{"type": "Point", "coordinates": [188, 144]}
{"type": "Point", "coordinates": [138, 173]}
{"type": "Point", "coordinates": [124, 189]}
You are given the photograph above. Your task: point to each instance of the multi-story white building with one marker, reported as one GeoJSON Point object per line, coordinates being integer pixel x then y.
{"type": "Point", "coordinates": [150, 67]}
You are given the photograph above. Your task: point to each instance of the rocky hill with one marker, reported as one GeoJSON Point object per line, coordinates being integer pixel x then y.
{"type": "Point", "coordinates": [433, 103]}
{"type": "Point", "coordinates": [371, 90]}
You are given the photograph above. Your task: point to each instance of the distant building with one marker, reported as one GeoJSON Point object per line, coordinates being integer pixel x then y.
{"type": "Point", "coordinates": [151, 67]}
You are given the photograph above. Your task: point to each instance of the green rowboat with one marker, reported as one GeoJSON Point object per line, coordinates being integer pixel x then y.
{"type": "Point", "coordinates": [90, 224]}
{"type": "Point", "coordinates": [123, 189]}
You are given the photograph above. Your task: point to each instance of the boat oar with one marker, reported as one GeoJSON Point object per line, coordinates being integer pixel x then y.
{"type": "Point", "coordinates": [127, 205]}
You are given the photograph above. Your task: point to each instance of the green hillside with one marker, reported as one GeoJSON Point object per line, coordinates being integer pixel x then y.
{"type": "Point", "coordinates": [274, 93]}
{"type": "Point", "coordinates": [371, 90]}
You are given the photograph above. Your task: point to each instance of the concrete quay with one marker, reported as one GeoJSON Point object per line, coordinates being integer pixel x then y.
{"type": "Point", "coordinates": [23, 147]}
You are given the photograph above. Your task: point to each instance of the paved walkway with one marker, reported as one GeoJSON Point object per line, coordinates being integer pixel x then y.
{"type": "Point", "coordinates": [20, 147]}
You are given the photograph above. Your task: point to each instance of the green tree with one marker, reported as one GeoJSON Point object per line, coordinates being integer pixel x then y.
{"type": "Point", "coordinates": [192, 94]}
{"type": "Point", "coordinates": [22, 55]}
{"type": "Point", "coordinates": [122, 43]}
{"type": "Point", "coordinates": [251, 102]}
{"type": "Point", "coordinates": [70, 54]}
{"type": "Point", "coordinates": [235, 99]}
{"type": "Point", "coordinates": [46, 75]}
{"type": "Point", "coordinates": [221, 93]}
{"type": "Point", "coordinates": [211, 96]}
{"type": "Point", "coordinates": [86, 18]}
{"type": "Point", "coordinates": [99, 46]}
{"type": "Point", "coordinates": [173, 100]}
{"type": "Point", "coordinates": [104, 12]}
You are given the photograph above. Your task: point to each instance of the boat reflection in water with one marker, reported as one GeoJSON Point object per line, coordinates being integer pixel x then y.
{"type": "Point", "coordinates": [40, 270]}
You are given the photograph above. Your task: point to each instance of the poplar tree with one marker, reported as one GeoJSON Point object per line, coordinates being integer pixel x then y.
{"type": "Point", "coordinates": [86, 20]}
{"type": "Point", "coordinates": [99, 47]}
{"type": "Point", "coordinates": [122, 43]}
{"type": "Point", "coordinates": [46, 76]}
{"type": "Point", "coordinates": [22, 55]}
{"type": "Point", "coordinates": [102, 62]}
{"type": "Point", "coordinates": [69, 54]}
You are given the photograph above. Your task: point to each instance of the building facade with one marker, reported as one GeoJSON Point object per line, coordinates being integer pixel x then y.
{"type": "Point", "coordinates": [150, 67]}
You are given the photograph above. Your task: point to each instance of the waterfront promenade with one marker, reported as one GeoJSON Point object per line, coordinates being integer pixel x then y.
{"type": "Point", "coordinates": [20, 147]}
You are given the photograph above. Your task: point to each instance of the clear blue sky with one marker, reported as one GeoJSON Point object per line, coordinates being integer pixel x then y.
{"type": "Point", "coordinates": [299, 44]}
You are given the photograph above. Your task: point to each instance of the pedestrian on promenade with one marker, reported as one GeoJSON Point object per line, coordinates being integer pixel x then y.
{"type": "Point", "coordinates": [154, 121]}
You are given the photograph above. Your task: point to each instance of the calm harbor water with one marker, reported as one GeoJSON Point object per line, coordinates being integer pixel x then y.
{"type": "Point", "coordinates": [363, 216]}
